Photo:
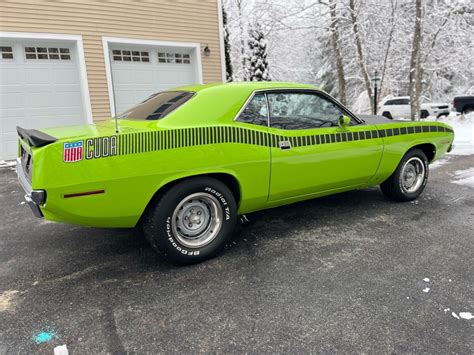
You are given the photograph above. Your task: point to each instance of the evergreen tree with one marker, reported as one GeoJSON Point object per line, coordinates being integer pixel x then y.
{"type": "Point", "coordinates": [229, 73]}
{"type": "Point", "coordinates": [257, 63]}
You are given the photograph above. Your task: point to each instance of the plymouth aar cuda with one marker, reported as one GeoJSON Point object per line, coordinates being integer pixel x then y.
{"type": "Point", "coordinates": [185, 163]}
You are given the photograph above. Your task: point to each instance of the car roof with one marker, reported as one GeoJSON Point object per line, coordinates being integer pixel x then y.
{"type": "Point", "coordinates": [219, 102]}
{"type": "Point", "coordinates": [398, 97]}
{"type": "Point", "coordinates": [244, 86]}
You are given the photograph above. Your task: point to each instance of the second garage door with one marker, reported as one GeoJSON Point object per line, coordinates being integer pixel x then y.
{"type": "Point", "coordinates": [139, 71]}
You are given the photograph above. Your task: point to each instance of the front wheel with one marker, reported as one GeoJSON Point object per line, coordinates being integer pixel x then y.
{"type": "Point", "coordinates": [409, 179]}
{"type": "Point", "coordinates": [192, 221]}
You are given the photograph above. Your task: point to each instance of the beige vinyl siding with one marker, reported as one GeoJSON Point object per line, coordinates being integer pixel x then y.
{"type": "Point", "coordinates": [159, 20]}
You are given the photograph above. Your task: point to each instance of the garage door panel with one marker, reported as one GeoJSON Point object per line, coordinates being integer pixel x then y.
{"type": "Point", "coordinates": [65, 76]}
{"type": "Point", "coordinates": [65, 99]}
{"type": "Point", "coordinates": [10, 100]}
{"type": "Point", "coordinates": [38, 75]}
{"type": "Point", "coordinates": [9, 75]}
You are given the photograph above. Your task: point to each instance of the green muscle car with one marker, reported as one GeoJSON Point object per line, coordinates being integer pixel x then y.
{"type": "Point", "coordinates": [185, 163]}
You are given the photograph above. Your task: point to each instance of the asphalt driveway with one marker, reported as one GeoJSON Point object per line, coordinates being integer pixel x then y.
{"type": "Point", "coordinates": [342, 273]}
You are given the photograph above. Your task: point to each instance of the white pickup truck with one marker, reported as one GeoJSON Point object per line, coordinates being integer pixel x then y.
{"type": "Point", "coordinates": [399, 107]}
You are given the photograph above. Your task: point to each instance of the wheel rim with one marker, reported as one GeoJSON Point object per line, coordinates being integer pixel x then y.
{"type": "Point", "coordinates": [197, 220]}
{"type": "Point", "coordinates": [413, 174]}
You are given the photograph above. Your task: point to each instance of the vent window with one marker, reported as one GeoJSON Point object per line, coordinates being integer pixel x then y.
{"type": "Point", "coordinates": [47, 53]}
{"type": "Point", "coordinates": [174, 58]}
{"type": "Point", "coordinates": [6, 52]}
{"type": "Point", "coordinates": [130, 56]}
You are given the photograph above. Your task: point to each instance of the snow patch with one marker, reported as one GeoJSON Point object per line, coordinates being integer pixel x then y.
{"type": "Point", "coordinates": [440, 162]}
{"type": "Point", "coordinates": [61, 350]}
{"type": "Point", "coordinates": [7, 299]}
{"type": "Point", "coordinates": [7, 163]}
{"type": "Point", "coordinates": [426, 279]}
{"type": "Point", "coordinates": [464, 177]}
{"type": "Point", "coordinates": [463, 126]}
{"type": "Point", "coordinates": [426, 290]}
{"type": "Point", "coordinates": [454, 315]}
{"type": "Point", "coordinates": [466, 315]}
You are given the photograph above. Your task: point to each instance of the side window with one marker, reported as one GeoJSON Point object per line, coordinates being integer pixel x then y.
{"type": "Point", "coordinates": [390, 102]}
{"type": "Point", "coordinates": [302, 111]}
{"type": "Point", "coordinates": [404, 102]}
{"type": "Point", "coordinates": [256, 111]}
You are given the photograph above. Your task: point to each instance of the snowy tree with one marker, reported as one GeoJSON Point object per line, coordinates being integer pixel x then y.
{"type": "Point", "coordinates": [338, 45]}
{"type": "Point", "coordinates": [228, 61]}
{"type": "Point", "coordinates": [257, 63]}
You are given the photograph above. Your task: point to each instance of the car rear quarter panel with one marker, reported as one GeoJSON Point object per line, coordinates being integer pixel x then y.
{"type": "Point", "coordinates": [396, 144]}
{"type": "Point", "coordinates": [144, 165]}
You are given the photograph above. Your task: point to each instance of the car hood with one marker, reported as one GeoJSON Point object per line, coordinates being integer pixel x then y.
{"type": "Point", "coordinates": [429, 104]}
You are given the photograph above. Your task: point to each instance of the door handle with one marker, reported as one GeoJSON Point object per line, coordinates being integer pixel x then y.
{"type": "Point", "coordinates": [285, 145]}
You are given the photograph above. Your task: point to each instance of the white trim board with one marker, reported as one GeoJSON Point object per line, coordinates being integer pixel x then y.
{"type": "Point", "coordinates": [221, 39]}
{"type": "Point", "coordinates": [106, 41]}
{"type": "Point", "coordinates": [86, 100]}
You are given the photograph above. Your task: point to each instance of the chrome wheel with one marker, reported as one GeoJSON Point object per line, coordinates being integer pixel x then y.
{"type": "Point", "coordinates": [412, 174]}
{"type": "Point", "coordinates": [197, 220]}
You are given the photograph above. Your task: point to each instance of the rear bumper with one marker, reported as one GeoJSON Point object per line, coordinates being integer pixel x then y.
{"type": "Point", "coordinates": [34, 198]}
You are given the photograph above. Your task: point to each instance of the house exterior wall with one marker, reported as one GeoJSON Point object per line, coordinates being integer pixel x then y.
{"type": "Point", "coordinates": [160, 20]}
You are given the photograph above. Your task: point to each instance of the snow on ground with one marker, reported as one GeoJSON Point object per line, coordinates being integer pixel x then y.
{"type": "Point", "coordinates": [464, 177]}
{"type": "Point", "coordinates": [7, 164]}
{"type": "Point", "coordinates": [463, 126]}
{"type": "Point", "coordinates": [440, 162]}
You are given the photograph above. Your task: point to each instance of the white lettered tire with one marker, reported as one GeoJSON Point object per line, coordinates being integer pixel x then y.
{"type": "Point", "coordinates": [409, 179]}
{"type": "Point", "coordinates": [192, 221]}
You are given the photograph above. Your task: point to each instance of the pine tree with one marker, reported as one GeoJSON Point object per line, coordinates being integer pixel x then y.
{"type": "Point", "coordinates": [229, 72]}
{"type": "Point", "coordinates": [257, 63]}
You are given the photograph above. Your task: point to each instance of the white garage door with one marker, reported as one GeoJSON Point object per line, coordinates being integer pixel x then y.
{"type": "Point", "coordinates": [39, 87]}
{"type": "Point", "coordinates": [139, 71]}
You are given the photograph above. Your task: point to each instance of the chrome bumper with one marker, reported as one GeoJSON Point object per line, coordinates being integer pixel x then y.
{"type": "Point", "coordinates": [34, 198]}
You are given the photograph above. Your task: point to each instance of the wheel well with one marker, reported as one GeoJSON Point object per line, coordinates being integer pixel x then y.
{"type": "Point", "coordinates": [229, 180]}
{"type": "Point", "coordinates": [427, 148]}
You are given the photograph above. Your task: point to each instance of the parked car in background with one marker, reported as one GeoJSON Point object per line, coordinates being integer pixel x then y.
{"type": "Point", "coordinates": [463, 104]}
{"type": "Point", "coordinates": [399, 107]}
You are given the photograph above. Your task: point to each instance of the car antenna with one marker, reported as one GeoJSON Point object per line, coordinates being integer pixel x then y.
{"type": "Point", "coordinates": [116, 124]}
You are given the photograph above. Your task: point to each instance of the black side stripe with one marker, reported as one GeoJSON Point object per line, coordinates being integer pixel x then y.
{"type": "Point", "coordinates": [133, 143]}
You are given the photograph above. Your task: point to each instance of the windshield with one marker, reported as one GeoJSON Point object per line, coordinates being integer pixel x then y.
{"type": "Point", "coordinates": [157, 105]}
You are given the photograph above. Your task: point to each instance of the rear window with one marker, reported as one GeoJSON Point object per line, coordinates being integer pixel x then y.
{"type": "Point", "coordinates": [157, 105]}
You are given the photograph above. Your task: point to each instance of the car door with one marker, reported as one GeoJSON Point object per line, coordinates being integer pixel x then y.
{"type": "Point", "coordinates": [405, 110]}
{"type": "Point", "coordinates": [310, 153]}
{"type": "Point", "coordinates": [396, 108]}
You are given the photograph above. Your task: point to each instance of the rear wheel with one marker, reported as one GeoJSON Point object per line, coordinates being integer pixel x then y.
{"type": "Point", "coordinates": [409, 179]}
{"type": "Point", "coordinates": [192, 221]}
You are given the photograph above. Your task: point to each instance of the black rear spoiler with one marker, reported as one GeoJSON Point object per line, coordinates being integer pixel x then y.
{"type": "Point", "coordinates": [34, 137]}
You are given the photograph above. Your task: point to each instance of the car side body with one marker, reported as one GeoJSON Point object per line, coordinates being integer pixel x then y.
{"type": "Point", "coordinates": [463, 104]}
{"type": "Point", "coordinates": [116, 174]}
{"type": "Point", "coordinates": [399, 107]}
